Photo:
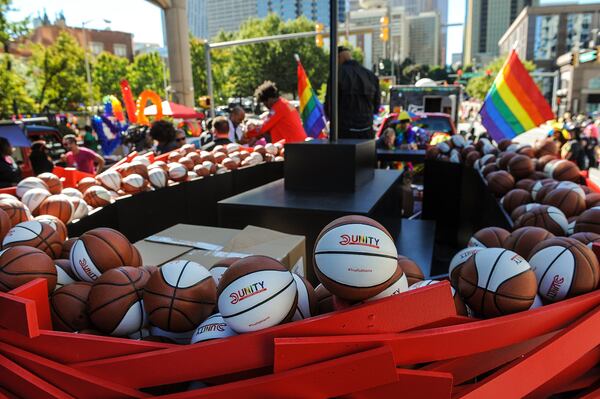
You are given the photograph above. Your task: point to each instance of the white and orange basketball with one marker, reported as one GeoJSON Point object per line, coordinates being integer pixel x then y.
{"type": "Point", "coordinates": [34, 197]}
{"type": "Point", "coordinates": [28, 183]}
{"type": "Point", "coordinates": [133, 183]}
{"type": "Point", "coordinates": [111, 179]}
{"type": "Point", "coordinates": [177, 172]}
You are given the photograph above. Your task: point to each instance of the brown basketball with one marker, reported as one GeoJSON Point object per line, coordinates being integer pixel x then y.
{"type": "Point", "coordinates": [565, 170]}
{"type": "Point", "coordinates": [159, 164]}
{"type": "Point", "coordinates": [412, 271]}
{"type": "Point", "coordinates": [53, 182]}
{"type": "Point", "coordinates": [66, 249]}
{"type": "Point", "coordinates": [219, 156]}
{"type": "Point", "coordinates": [586, 189]}
{"type": "Point", "coordinates": [180, 296]}
{"type": "Point", "coordinates": [521, 209]}
{"type": "Point", "coordinates": [133, 183]}
{"type": "Point", "coordinates": [66, 266]}
{"type": "Point", "coordinates": [16, 211]}
{"type": "Point", "coordinates": [503, 159]}
{"type": "Point", "coordinates": [523, 239]}
{"type": "Point", "coordinates": [539, 192]}
{"type": "Point", "coordinates": [542, 161]}
{"type": "Point", "coordinates": [136, 167]}
{"type": "Point", "coordinates": [5, 223]}
{"type": "Point", "coordinates": [591, 200]}
{"type": "Point", "coordinates": [136, 258]}
{"type": "Point", "coordinates": [57, 205]}
{"type": "Point", "coordinates": [467, 150]}
{"type": "Point", "coordinates": [504, 144]}
{"type": "Point", "coordinates": [68, 307]}
{"type": "Point", "coordinates": [586, 238]}
{"type": "Point", "coordinates": [187, 162]}
{"type": "Point", "coordinates": [201, 170]}
{"type": "Point", "coordinates": [526, 150]}
{"type": "Point", "coordinates": [207, 156]}
{"type": "Point", "coordinates": [520, 166]}
{"type": "Point", "coordinates": [231, 164]}
{"type": "Point", "coordinates": [515, 198]}
{"type": "Point", "coordinates": [174, 156]}
{"type": "Point", "coordinates": [567, 200]}
{"type": "Point", "coordinates": [525, 184]}
{"type": "Point", "coordinates": [548, 217]}
{"type": "Point", "coordinates": [537, 175]}
{"type": "Point", "coordinates": [34, 234]}
{"type": "Point", "coordinates": [471, 158]}
{"type": "Point", "coordinates": [116, 301]}
{"type": "Point", "coordinates": [489, 168]}
{"type": "Point", "coordinates": [488, 237]}
{"type": "Point", "coordinates": [56, 224]}
{"type": "Point", "coordinates": [495, 282]}
{"type": "Point", "coordinates": [86, 183]}
{"type": "Point", "coordinates": [20, 265]}
{"type": "Point", "coordinates": [501, 182]}
{"type": "Point", "coordinates": [324, 300]}
{"type": "Point", "coordinates": [99, 250]}
{"type": "Point", "coordinates": [589, 221]}
{"type": "Point", "coordinates": [195, 157]}
{"type": "Point", "coordinates": [546, 147]}
{"type": "Point", "coordinates": [97, 196]}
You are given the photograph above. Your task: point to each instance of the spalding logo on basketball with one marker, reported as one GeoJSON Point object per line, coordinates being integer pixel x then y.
{"type": "Point", "coordinates": [82, 263]}
{"type": "Point", "coordinates": [214, 327]}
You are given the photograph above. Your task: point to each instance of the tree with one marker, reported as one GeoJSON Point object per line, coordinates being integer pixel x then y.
{"type": "Point", "coordinates": [415, 72]}
{"type": "Point", "coordinates": [478, 87]}
{"type": "Point", "coordinates": [146, 72]}
{"type": "Point", "coordinates": [59, 74]}
{"type": "Point", "coordinates": [438, 73]}
{"type": "Point", "coordinates": [107, 74]}
{"type": "Point", "coordinates": [12, 87]}
{"type": "Point", "coordinates": [220, 65]}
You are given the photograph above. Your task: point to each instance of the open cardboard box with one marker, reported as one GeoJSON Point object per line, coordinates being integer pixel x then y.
{"type": "Point", "coordinates": [208, 245]}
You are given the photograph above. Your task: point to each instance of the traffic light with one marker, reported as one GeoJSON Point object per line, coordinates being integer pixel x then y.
{"type": "Point", "coordinates": [384, 35]}
{"type": "Point", "coordinates": [319, 28]}
{"type": "Point", "coordinates": [204, 102]}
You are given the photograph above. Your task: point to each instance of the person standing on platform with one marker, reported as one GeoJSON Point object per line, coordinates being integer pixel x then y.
{"type": "Point", "coordinates": [81, 158]}
{"type": "Point", "coordinates": [359, 98]}
{"type": "Point", "coordinates": [236, 118]}
{"type": "Point", "coordinates": [283, 122]}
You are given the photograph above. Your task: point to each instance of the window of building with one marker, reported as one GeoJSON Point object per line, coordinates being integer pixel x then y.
{"type": "Point", "coordinates": [578, 30]}
{"type": "Point", "coordinates": [546, 37]}
{"type": "Point", "coordinates": [120, 50]}
{"type": "Point", "coordinates": [96, 47]}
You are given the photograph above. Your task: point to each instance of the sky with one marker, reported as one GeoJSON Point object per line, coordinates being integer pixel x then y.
{"type": "Point", "coordinates": [144, 19]}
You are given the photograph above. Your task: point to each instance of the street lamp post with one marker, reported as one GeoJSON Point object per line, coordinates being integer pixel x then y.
{"type": "Point", "coordinates": [87, 60]}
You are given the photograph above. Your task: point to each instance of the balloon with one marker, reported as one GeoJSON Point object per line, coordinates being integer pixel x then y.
{"type": "Point", "coordinates": [141, 104]}
{"type": "Point", "coordinates": [102, 125]}
{"type": "Point", "coordinates": [128, 99]}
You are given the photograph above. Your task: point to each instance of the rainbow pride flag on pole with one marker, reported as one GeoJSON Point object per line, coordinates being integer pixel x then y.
{"type": "Point", "coordinates": [514, 104]}
{"type": "Point", "coordinates": [311, 109]}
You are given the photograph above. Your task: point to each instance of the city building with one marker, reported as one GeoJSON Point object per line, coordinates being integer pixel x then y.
{"type": "Point", "coordinates": [424, 38]}
{"type": "Point", "coordinates": [579, 81]}
{"type": "Point", "coordinates": [197, 18]}
{"type": "Point", "coordinates": [226, 15]}
{"type": "Point", "coordinates": [486, 22]}
{"type": "Point", "coordinates": [457, 58]}
{"type": "Point", "coordinates": [541, 34]}
{"type": "Point", "coordinates": [145, 48]}
{"type": "Point", "coordinates": [314, 10]}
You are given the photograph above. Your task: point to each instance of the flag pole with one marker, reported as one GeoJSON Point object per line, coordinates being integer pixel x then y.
{"type": "Point", "coordinates": [333, 70]}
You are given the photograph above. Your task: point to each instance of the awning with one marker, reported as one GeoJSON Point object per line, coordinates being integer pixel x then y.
{"type": "Point", "coordinates": [175, 110]}
{"type": "Point", "coordinates": [15, 135]}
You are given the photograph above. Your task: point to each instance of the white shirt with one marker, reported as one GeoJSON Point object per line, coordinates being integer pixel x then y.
{"type": "Point", "coordinates": [235, 133]}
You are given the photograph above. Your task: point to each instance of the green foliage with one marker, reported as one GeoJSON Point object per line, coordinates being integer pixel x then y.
{"type": "Point", "coordinates": [220, 64]}
{"type": "Point", "coordinates": [107, 74]}
{"type": "Point", "coordinates": [12, 87]}
{"type": "Point", "coordinates": [146, 72]}
{"type": "Point", "coordinates": [59, 74]}
{"type": "Point", "coordinates": [478, 87]}
{"type": "Point", "coordinates": [415, 72]}
{"type": "Point", "coordinates": [10, 30]}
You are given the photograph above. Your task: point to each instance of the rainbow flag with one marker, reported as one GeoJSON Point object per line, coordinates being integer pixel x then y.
{"type": "Point", "coordinates": [311, 109]}
{"type": "Point", "coordinates": [514, 104]}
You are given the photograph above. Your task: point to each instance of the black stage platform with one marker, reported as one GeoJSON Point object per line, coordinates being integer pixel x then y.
{"type": "Point", "coordinates": [414, 156]}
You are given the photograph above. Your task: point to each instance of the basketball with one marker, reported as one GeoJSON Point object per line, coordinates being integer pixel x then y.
{"type": "Point", "coordinates": [525, 184]}
{"type": "Point", "coordinates": [142, 159]}
{"type": "Point", "coordinates": [355, 258]}
{"type": "Point", "coordinates": [137, 261]}
{"type": "Point", "coordinates": [133, 183]}
{"type": "Point", "coordinates": [537, 176]}
{"type": "Point", "coordinates": [174, 156]}
{"type": "Point", "coordinates": [471, 158]}
{"type": "Point", "coordinates": [255, 293]}
{"type": "Point", "coordinates": [20, 265]}
{"type": "Point", "coordinates": [504, 144]}
{"type": "Point", "coordinates": [195, 157]}
{"type": "Point", "coordinates": [324, 299]}
{"type": "Point", "coordinates": [520, 166]}
{"type": "Point", "coordinates": [34, 234]}
{"type": "Point", "coordinates": [80, 208]}
{"type": "Point", "coordinates": [68, 307]}
{"type": "Point", "coordinates": [526, 149]}
{"type": "Point", "coordinates": [467, 150]}
{"type": "Point", "coordinates": [571, 229]}
{"type": "Point", "coordinates": [520, 210]}
{"type": "Point", "coordinates": [567, 200]}
{"type": "Point", "coordinates": [458, 261]}
{"type": "Point", "coordinates": [515, 198]}
{"type": "Point", "coordinates": [495, 282]}
{"type": "Point", "coordinates": [589, 221]}
{"type": "Point", "coordinates": [28, 183]}
{"type": "Point", "coordinates": [488, 237]}
{"type": "Point", "coordinates": [206, 156]}
{"type": "Point", "coordinates": [159, 164]}
{"type": "Point", "coordinates": [214, 327]}
{"type": "Point", "coordinates": [538, 193]}
{"type": "Point", "coordinates": [72, 192]}
{"type": "Point", "coordinates": [34, 197]}
{"type": "Point", "coordinates": [432, 153]}
{"type": "Point", "coordinates": [485, 160]}
{"type": "Point", "coordinates": [565, 170]}
{"type": "Point", "coordinates": [180, 296]}
{"type": "Point", "coordinates": [586, 190]}
{"type": "Point", "coordinates": [158, 177]}
{"type": "Point", "coordinates": [63, 273]}
{"type": "Point", "coordinates": [307, 301]}
{"type": "Point", "coordinates": [411, 270]}
{"type": "Point", "coordinates": [53, 182]}
{"type": "Point", "coordinates": [546, 147]}
{"type": "Point", "coordinates": [5, 224]}
{"type": "Point", "coordinates": [564, 268]}
{"type": "Point", "coordinates": [137, 168]}
{"type": "Point", "coordinates": [16, 211]}
{"type": "Point", "coordinates": [397, 287]}
{"type": "Point", "coordinates": [85, 183]}
{"type": "Point", "coordinates": [97, 196]}
{"type": "Point", "coordinates": [547, 217]}
{"type": "Point", "coordinates": [201, 170]}
{"type": "Point", "coordinates": [219, 268]}
{"type": "Point", "coordinates": [212, 167]}
{"type": "Point", "coordinates": [111, 179]}
{"type": "Point", "coordinates": [99, 250]}
{"type": "Point", "coordinates": [503, 159]}
{"type": "Point", "coordinates": [489, 168]}
{"type": "Point", "coordinates": [543, 161]}
{"type": "Point", "coordinates": [523, 239]}
{"type": "Point", "coordinates": [230, 163]}
{"type": "Point", "coordinates": [586, 238]}
{"type": "Point", "coordinates": [500, 182]}
{"type": "Point", "coordinates": [57, 205]}
{"type": "Point", "coordinates": [116, 301]}
{"type": "Point", "coordinates": [591, 200]}
{"type": "Point", "coordinates": [186, 162]}
{"type": "Point", "coordinates": [177, 172]}
{"type": "Point", "coordinates": [67, 245]}
{"type": "Point", "coordinates": [573, 187]}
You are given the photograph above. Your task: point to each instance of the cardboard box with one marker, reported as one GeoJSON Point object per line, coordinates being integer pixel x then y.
{"type": "Point", "coordinates": [177, 240]}
{"type": "Point", "coordinates": [289, 249]}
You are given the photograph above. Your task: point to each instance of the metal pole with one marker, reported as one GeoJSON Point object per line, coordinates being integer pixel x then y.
{"type": "Point", "coordinates": [209, 82]}
{"type": "Point", "coordinates": [333, 70]}
{"type": "Point", "coordinates": [554, 90]}
{"type": "Point", "coordinates": [87, 66]}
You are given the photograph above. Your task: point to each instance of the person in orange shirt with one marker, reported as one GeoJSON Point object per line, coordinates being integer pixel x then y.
{"type": "Point", "coordinates": [283, 121]}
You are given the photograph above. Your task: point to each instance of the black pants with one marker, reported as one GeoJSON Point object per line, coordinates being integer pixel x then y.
{"type": "Point", "coordinates": [351, 133]}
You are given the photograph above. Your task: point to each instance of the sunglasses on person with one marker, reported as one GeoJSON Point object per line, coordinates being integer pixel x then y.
{"type": "Point", "coordinates": [180, 139]}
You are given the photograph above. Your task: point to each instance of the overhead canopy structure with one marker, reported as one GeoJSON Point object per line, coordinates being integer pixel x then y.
{"type": "Point", "coordinates": [175, 110]}
{"type": "Point", "coordinates": [15, 135]}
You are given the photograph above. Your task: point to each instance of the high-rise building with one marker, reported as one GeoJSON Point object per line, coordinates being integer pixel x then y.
{"type": "Point", "coordinates": [197, 18]}
{"type": "Point", "coordinates": [424, 38]}
{"type": "Point", "coordinates": [486, 22]}
{"type": "Point", "coordinates": [206, 18]}
{"type": "Point", "coordinates": [314, 10]}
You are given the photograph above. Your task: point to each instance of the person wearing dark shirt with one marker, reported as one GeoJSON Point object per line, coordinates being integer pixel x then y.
{"type": "Point", "coordinates": [180, 137]}
{"type": "Point", "coordinates": [358, 98]}
{"type": "Point", "coordinates": [164, 133]}
{"type": "Point", "coordinates": [39, 158]}
{"type": "Point", "coordinates": [387, 140]}
{"type": "Point", "coordinates": [221, 131]}
{"type": "Point", "coordinates": [574, 151]}
{"type": "Point", "coordinates": [10, 173]}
